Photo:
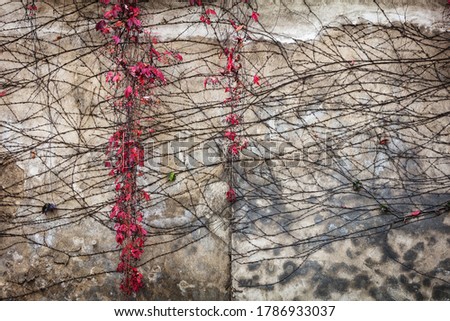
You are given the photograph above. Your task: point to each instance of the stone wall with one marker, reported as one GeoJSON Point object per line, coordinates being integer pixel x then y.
{"type": "Point", "coordinates": [348, 135]}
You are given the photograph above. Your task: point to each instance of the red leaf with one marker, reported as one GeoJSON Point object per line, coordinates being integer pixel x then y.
{"type": "Point", "coordinates": [155, 52]}
{"type": "Point", "coordinates": [118, 24]}
{"type": "Point", "coordinates": [412, 214]}
{"type": "Point", "coordinates": [255, 16]}
{"type": "Point", "coordinates": [256, 80]}
{"type": "Point", "coordinates": [116, 39]}
{"type": "Point", "coordinates": [231, 195]}
{"type": "Point", "coordinates": [178, 56]}
{"type": "Point", "coordinates": [205, 20]}
{"type": "Point", "coordinates": [232, 119]}
{"type": "Point", "coordinates": [234, 149]}
{"type": "Point", "coordinates": [109, 15]}
{"type": "Point", "coordinates": [114, 211]}
{"type": "Point", "coordinates": [158, 73]}
{"type": "Point", "coordinates": [117, 77]}
{"type": "Point", "coordinates": [230, 64]}
{"type": "Point", "coordinates": [109, 76]}
{"type": "Point", "coordinates": [134, 21]}
{"type": "Point", "coordinates": [145, 195]}
{"type": "Point", "coordinates": [244, 145]}
{"type": "Point", "coordinates": [2, 93]}
{"type": "Point", "coordinates": [120, 238]}
{"type": "Point", "coordinates": [128, 91]}
{"type": "Point", "coordinates": [230, 135]}
{"type": "Point", "coordinates": [211, 11]}
{"type": "Point", "coordinates": [101, 26]}
{"type": "Point", "coordinates": [384, 141]}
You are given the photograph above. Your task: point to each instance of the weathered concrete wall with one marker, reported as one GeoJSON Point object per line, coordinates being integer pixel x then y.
{"type": "Point", "coordinates": [321, 206]}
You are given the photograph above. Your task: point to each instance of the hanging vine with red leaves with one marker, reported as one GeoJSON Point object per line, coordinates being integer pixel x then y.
{"type": "Point", "coordinates": [236, 18]}
{"type": "Point", "coordinates": [134, 78]}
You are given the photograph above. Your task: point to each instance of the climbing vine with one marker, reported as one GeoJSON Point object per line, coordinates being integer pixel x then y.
{"type": "Point", "coordinates": [346, 133]}
{"type": "Point", "coordinates": [231, 27]}
{"type": "Point", "coordinates": [135, 77]}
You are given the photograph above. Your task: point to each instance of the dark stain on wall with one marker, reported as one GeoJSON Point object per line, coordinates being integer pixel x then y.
{"type": "Point", "coordinates": [392, 282]}
{"type": "Point", "coordinates": [389, 252]}
{"type": "Point", "coordinates": [361, 281]}
{"type": "Point", "coordinates": [253, 266]}
{"type": "Point", "coordinates": [426, 282]}
{"type": "Point", "coordinates": [410, 255]}
{"type": "Point", "coordinates": [444, 264]}
{"type": "Point", "coordinates": [291, 270]}
{"type": "Point", "coordinates": [441, 293]}
{"type": "Point", "coordinates": [327, 285]}
{"type": "Point", "coordinates": [249, 282]}
{"type": "Point", "coordinates": [380, 294]}
{"type": "Point", "coordinates": [343, 267]}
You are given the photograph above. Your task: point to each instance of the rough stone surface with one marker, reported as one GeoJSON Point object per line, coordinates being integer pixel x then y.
{"type": "Point", "coordinates": [321, 205]}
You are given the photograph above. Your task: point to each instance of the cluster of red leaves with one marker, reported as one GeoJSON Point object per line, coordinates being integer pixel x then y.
{"type": "Point", "coordinates": [134, 82]}
{"type": "Point", "coordinates": [127, 152]}
{"type": "Point", "coordinates": [146, 73]}
{"type": "Point", "coordinates": [231, 195]}
{"type": "Point", "coordinates": [31, 8]}
{"type": "Point", "coordinates": [195, 3]}
{"type": "Point", "coordinates": [206, 18]}
{"type": "Point", "coordinates": [127, 156]}
{"type": "Point", "coordinates": [121, 19]}
{"type": "Point", "coordinates": [235, 142]}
